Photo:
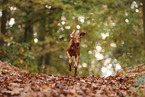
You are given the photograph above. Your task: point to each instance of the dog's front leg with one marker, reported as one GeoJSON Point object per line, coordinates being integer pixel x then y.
{"type": "Point", "coordinates": [76, 63]}
{"type": "Point", "coordinates": [69, 60]}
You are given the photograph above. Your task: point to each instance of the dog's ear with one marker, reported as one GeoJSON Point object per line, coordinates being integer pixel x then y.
{"type": "Point", "coordinates": [72, 34]}
{"type": "Point", "coordinates": [82, 34]}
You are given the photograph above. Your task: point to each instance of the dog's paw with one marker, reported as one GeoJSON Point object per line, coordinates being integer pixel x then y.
{"type": "Point", "coordinates": [75, 67]}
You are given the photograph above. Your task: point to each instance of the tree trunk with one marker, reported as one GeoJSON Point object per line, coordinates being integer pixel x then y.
{"type": "Point", "coordinates": [4, 17]}
{"type": "Point", "coordinates": [144, 16]}
{"type": "Point", "coordinates": [43, 59]}
{"type": "Point", "coordinates": [28, 33]}
{"type": "Point", "coordinates": [48, 63]}
{"type": "Point", "coordinates": [3, 21]}
{"type": "Point", "coordinates": [41, 38]}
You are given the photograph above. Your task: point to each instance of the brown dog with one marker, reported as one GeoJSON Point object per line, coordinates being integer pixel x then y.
{"type": "Point", "coordinates": [74, 49]}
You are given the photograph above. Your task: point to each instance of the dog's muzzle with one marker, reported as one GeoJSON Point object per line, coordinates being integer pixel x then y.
{"type": "Point", "coordinates": [77, 45]}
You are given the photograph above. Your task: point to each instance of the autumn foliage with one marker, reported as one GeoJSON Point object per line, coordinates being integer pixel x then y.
{"type": "Point", "coordinates": [17, 82]}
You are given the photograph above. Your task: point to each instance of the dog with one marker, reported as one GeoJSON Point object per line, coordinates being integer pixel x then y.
{"type": "Point", "coordinates": [74, 49]}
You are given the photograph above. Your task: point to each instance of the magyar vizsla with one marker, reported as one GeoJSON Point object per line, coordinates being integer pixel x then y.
{"type": "Point", "coordinates": [74, 49]}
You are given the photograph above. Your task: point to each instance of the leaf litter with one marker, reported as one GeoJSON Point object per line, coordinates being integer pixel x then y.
{"type": "Point", "coordinates": [16, 82]}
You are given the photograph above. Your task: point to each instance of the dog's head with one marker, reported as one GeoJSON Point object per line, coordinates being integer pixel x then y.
{"type": "Point", "coordinates": [77, 38]}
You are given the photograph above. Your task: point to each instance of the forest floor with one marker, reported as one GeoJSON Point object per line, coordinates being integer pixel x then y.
{"type": "Point", "coordinates": [16, 82]}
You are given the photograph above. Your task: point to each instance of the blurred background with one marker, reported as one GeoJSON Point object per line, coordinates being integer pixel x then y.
{"type": "Point", "coordinates": [34, 34]}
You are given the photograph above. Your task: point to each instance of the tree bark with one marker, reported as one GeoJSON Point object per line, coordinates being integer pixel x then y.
{"type": "Point", "coordinates": [28, 33]}
{"type": "Point", "coordinates": [4, 16]}
{"type": "Point", "coordinates": [41, 38]}
{"type": "Point", "coordinates": [43, 59]}
{"type": "Point", "coordinates": [144, 17]}
{"type": "Point", "coordinates": [3, 21]}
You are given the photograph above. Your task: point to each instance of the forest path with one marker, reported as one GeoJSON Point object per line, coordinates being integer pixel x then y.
{"type": "Point", "coordinates": [17, 82]}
